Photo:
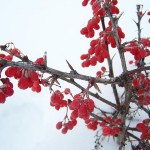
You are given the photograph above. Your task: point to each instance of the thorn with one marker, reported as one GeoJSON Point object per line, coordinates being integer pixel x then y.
{"type": "Point", "coordinates": [45, 58]}
{"type": "Point", "coordinates": [71, 68]}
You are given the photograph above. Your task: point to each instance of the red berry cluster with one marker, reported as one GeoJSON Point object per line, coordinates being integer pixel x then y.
{"type": "Point", "coordinates": [98, 12]}
{"type": "Point", "coordinates": [93, 24]}
{"type": "Point", "coordinates": [142, 87]}
{"type": "Point", "coordinates": [144, 127]}
{"type": "Point", "coordinates": [97, 6]}
{"type": "Point", "coordinates": [98, 48]}
{"type": "Point", "coordinates": [65, 126]}
{"type": "Point", "coordinates": [26, 78]}
{"type": "Point", "coordinates": [96, 53]}
{"type": "Point", "coordinates": [111, 126]}
{"type": "Point", "coordinates": [6, 89]}
{"type": "Point", "coordinates": [57, 100]}
{"type": "Point", "coordinates": [81, 107]}
{"type": "Point", "coordinates": [92, 123]}
{"type": "Point", "coordinates": [138, 49]}
{"type": "Point", "coordinates": [107, 35]}
{"type": "Point", "coordinates": [8, 57]}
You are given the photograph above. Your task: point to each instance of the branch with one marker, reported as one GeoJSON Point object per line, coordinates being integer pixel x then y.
{"type": "Point", "coordinates": [111, 72]}
{"type": "Point", "coordinates": [60, 74]}
{"type": "Point", "coordinates": [89, 92]}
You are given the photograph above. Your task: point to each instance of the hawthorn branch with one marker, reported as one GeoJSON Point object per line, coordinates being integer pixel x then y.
{"type": "Point", "coordinates": [60, 74]}
{"type": "Point", "coordinates": [97, 96]}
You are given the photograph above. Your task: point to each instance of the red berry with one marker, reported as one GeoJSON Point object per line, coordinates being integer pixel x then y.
{"type": "Point", "coordinates": [64, 130]}
{"type": "Point", "coordinates": [40, 61]}
{"type": "Point", "coordinates": [103, 69]}
{"type": "Point", "coordinates": [2, 97]}
{"type": "Point", "coordinates": [84, 31]}
{"type": "Point", "coordinates": [8, 91]}
{"type": "Point", "coordinates": [85, 2]}
{"type": "Point", "coordinates": [59, 125]}
{"type": "Point", "coordinates": [67, 91]}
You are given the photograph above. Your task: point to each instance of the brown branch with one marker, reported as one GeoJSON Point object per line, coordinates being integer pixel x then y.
{"type": "Point", "coordinates": [140, 69]}
{"type": "Point", "coordinates": [133, 136]}
{"type": "Point", "coordinates": [111, 72]}
{"type": "Point", "coordinates": [89, 92]}
{"type": "Point", "coordinates": [60, 74]}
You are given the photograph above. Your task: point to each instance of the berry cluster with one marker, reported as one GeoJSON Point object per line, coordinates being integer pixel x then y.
{"type": "Point", "coordinates": [142, 87]}
{"type": "Point", "coordinates": [98, 50]}
{"type": "Point", "coordinates": [138, 49]}
{"type": "Point", "coordinates": [65, 126]}
{"type": "Point", "coordinates": [8, 57]}
{"type": "Point", "coordinates": [97, 7]}
{"type": "Point", "coordinates": [26, 78]}
{"type": "Point", "coordinates": [81, 107]}
{"type": "Point", "coordinates": [6, 89]}
{"type": "Point", "coordinates": [111, 126]}
{"type": "Point", "coordinates": [96, 53]}
{"type": "Point", "coordinates": [92, 123]}
{"type": "Point", "coordinates": [57, 100]}
{"type": "Point", "coordinates": [144, 127]}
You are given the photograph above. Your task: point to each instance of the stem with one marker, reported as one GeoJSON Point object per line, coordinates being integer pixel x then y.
{"type": "Point", "coordinates": [52, 71]}
{"type": "Point", "coordinates": [139, 22]}
{"type": "Point", "coordinates": [111, 72]}
{"type": "Point", "coordinates": [90, 93]}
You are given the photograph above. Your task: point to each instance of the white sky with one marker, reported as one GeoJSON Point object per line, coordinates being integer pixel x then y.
{"type": "Point", "coordinates": [27, 121]}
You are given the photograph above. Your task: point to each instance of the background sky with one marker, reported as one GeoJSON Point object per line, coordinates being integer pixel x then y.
{"type": "Point", "coordinates": [27, 122]}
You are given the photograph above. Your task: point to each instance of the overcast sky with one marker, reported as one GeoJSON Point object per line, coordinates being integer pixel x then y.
{"type": "Point", "coordinates": [34, 26]}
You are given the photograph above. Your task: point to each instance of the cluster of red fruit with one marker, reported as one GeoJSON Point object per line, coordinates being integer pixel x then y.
{"type": "Point", "coordinates": [8, 57]}
{"type": "Point", "coordinates": [81, 107]}
{"type": "Point", "coordinates": [111, 126]}
{"type": "Point", "coordinates": [92, 123]}
{"type": "Point", "coordinates": [138, 49]}
{"type": "Point", "coordinates": [65, 126]}
{"type": "Point", "coordinates": [26, 78]}
{"type": "Point", "coordinates": [57, 100]}
{"type": "Point", "coordinates": [6, 89]}
{"type": "Point", "coordinates": [144, 127]}
{"type": "Point", "coordinates": [98, 50]}
{"type": "Point", "coordinates": [97, 6]}
{"type": "Point", "coordinates": [142, 87]}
